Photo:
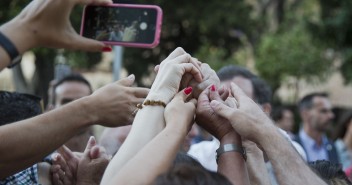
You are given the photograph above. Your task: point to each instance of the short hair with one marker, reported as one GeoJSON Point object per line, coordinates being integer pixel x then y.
{"type": "Point", "coordinates": [16, 106]}
{"type": "Point", "coordinates": [74, 77]}
{"type": "Point", "coordinates": [329, 172]}
{"type": "Point", "coordinates": [184, 158]}
{"type": "Point", "coordinates": [230, 71]}
{"type": "Point", "coordinates": [187, 174]}
{"type": "Point", "coordinates": [262, 91]}
{"type": "Point", "coordinates": [307, 101]}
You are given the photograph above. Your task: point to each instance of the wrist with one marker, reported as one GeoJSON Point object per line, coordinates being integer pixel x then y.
{"type": "Point", "coordinates": [20, 34]}
{"type": "Point", "coordinates": [231, 137]}
{"type": "Point", "coordinates": [153, 95]}
{"type": "Point", "coordinates": [89, 110]}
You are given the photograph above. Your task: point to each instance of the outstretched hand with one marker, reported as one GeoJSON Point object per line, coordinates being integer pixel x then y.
{"type": "Point", "coordinates": [47, 24]}
{"type": "Point", "coordinates": [170, 73]}
{"type": "Point", "coordinates": [246, 117]}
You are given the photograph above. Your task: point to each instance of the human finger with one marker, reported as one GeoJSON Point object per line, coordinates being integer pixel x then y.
{"type": "Point", "coordinates": [140, 92]}
{"type": "Point", "coordinates": [156, 68]}
{"type": "Point", "coordinates": [127, 81]}
{"type": "Point", "coordinates": [177, 52]}
{"type": "Point", "coordinates": [190, 68]}
{"type": "Point", "coordinates": [184, 94]}
{"type": "Point", "coordinates": [86, 44]}
{"type": "Point", "coordinates": [224, 93]}
{"type": "Point", "coordinates": [214, 94]}
{"type": "Point", "coordinates": [193, 101]}
{"type": "Point", "coordinates": [221, 109]}
{"type": "Point", "coordinates": [65, 152]}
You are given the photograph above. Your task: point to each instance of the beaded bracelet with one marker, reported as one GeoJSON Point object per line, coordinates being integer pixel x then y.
{"type": "Point", "coordinates": [149, 102]}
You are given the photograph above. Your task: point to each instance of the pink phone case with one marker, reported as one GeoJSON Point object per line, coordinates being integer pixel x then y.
{"type": "Point", "coordinates": [157, 31]}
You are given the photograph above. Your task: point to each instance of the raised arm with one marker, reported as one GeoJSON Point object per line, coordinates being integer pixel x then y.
{"type": "Point", "coordinates": [149, 120]}
{"type": "Point", "coordinates": [31, 140]}
{"type": "Point", "coordinates": [161, 151]}
{"type": "Point", "coordinates": [230, 164]}
{"type": "Point", "coordinates": [252, 123]}
{"type": "Point", "coordinates": [46, 24]}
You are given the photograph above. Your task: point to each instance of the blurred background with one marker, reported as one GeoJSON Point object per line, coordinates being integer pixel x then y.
{"type": "Point", "coordinates": [297, 46]}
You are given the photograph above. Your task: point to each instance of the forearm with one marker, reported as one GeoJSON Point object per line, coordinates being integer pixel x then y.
{"type": "Point", "coordinates": [29, 141]}
{"type": "Point", "coordinates": [257, 170]}
{"type": "Point", "coordinates": [232, 164]}
{"type": "Point", "coordinates": [160, 153]}
{"type": "Point", "coordinates": [148, 122]}
{"type": "Point", "coordinates": [282, 155]}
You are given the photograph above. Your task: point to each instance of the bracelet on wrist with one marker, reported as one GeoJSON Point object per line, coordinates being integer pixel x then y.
{"type": "Point", "coordinates": [231, 148]}
{"type": "Point", "coordinates": [149, 103]}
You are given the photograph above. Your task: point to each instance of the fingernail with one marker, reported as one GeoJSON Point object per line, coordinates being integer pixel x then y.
{"type": "Point", "coordinates": [188, 90]}
{"type": "Point", "coordinates": [212, 88]}
{"type": "Point", "coordinates": [131, 77]}
{"type": "Point", "coordinates": [107, 49]}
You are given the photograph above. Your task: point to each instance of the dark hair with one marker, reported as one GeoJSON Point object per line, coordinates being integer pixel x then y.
{"type": "Point", "coordinates": [307, 101]}
{"type": "Point", "coordinates": [342, 125]}
{"type": "Point", "coordinates": [278, 112]}
{"type": "Point", "coordinates": [74, 77]}
{"type": "Point", "coordinates": [187, 174]}
{"type": "Point", "coordinates": [328, 171]}
{"type": "Point", "coordinates": [17, 106]}
{"type": "Point", "coordinates": [262, 91]}
{"type": "Point", "coordinates": [184, 158]}
{"type": "Point", "coordinates": [230, 71]}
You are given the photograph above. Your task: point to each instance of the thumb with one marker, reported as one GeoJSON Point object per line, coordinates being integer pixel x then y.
{"type": "Point", "coordinates": [91, 143]}
{"type": "Point", "coordinates": [221, 109]}
{"type": "Point", "coordinates": [128, 81]}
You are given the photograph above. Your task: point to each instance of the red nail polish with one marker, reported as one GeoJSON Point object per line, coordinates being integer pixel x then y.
{"type": "Point", "coordinates": [212, 88]}
{"type": "Point", "coordinates": [107, 49]}
{"type": "Point", "coordinates": [188, 90]}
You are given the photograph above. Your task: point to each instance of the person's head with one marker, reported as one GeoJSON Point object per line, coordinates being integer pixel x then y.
{"type": "Point", "coordinates": [70, 88]}
{"type": "Point", "coordinates": [188, 174]}
{"type": "Point", "coordinates": [329, 172]}
{"type": "Point", "coordinates": [344, 125]}
{"type": "Point", "coordinates": [316, 111]}
{"type": "Point", "coordinates": [254, 87]}
{"type": "Point", "coordinates": [17, 106]}
{"type": "Point", "coordinates": [283, 118]}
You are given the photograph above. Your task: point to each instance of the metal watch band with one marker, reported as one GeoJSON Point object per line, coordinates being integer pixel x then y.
{"type": "Point", "coordinates": [10, 49]}
{"type": "Point", "coordinates": [231, 148]}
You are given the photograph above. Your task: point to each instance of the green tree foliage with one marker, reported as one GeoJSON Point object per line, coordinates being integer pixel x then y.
{"type": "Point", "coordinates": [335, 29]}
{"type": "Point", "coordinates": [291, 53]}
{"type": "Point", "coordinates": [199, 27]}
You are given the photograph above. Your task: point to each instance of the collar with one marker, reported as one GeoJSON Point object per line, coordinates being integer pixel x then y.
{"type": "Point", "coordinates": [308, 141]}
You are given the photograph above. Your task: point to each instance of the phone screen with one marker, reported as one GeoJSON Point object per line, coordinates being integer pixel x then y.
{"type": "Point", "coordinates": [120, 24]}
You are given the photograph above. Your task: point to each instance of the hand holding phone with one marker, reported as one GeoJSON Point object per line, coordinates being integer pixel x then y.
{"type": "Point", "coordinates": [123, 24]}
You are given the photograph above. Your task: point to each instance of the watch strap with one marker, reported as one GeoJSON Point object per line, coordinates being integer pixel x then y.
{"type": "Point", "coordinates": [231, 148]}
{"type": "Point", "coordinates": [10, 48]}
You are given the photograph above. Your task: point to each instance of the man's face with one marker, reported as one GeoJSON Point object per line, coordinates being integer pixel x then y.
{"type": "Point", "coordinates": [65, 93]}
{"type": "Point", "coordinates": [320, 115]}
{"type": "Point", "coordinates": [244, 83]}
{"type": "Point", "coordinates": [70, 91]}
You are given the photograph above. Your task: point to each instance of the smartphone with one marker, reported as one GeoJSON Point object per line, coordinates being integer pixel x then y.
{"type": "Point", "coordinates": [123, 24]}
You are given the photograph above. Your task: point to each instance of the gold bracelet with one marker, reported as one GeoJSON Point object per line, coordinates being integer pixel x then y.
{"type": "Point", "coordinates": [149, 102]}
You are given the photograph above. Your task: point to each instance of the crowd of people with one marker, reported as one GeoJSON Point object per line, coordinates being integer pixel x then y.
{"type": "Point", "coordinates": [150, 139]}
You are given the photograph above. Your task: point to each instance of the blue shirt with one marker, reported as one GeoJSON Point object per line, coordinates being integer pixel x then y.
{"type": "Point", "coordinates": [313, 150]}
